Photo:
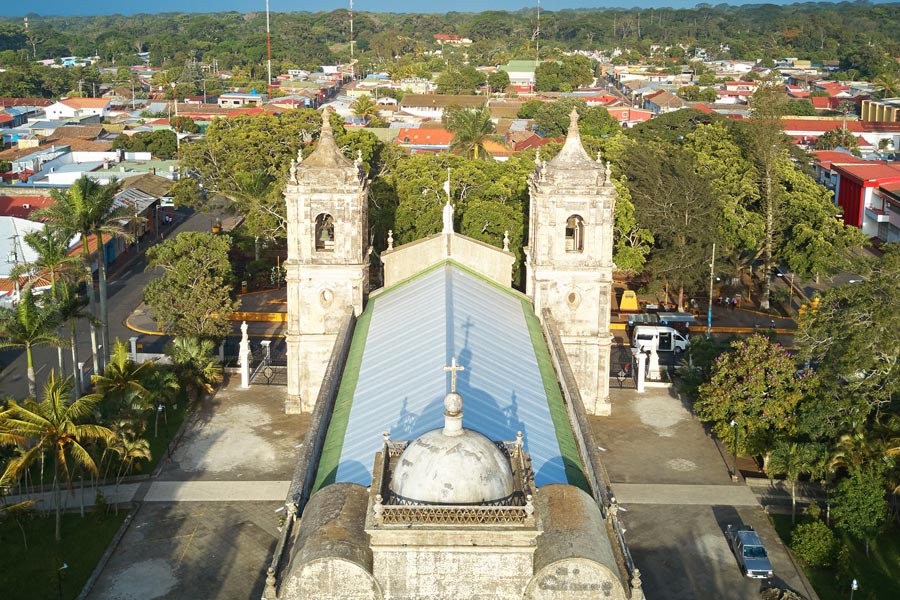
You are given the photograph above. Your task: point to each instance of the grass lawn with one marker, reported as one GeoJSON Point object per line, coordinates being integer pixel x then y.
{"type": "Point", "coordinates": [31, 574]}
{"type": "Point", "coordinates": [878, 574]}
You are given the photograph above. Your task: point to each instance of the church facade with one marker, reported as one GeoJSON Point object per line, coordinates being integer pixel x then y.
{"type": "Point", "coordinates": [394, 496]}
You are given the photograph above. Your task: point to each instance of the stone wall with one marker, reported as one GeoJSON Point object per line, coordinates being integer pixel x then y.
{"type": "Point", "coordinates": [406, 261]}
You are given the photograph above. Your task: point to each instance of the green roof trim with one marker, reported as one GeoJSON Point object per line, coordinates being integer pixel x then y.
{"type": "Point", "coordinates": [568, 447]}
{"type": "Point", "coordinates": [334, 439]}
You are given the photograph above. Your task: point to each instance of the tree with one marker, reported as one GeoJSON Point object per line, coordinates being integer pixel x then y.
{"type": "Point", "coordinates": [676, 204]}
{"type": "Point", "coordinates": [888, 83]}
{"type": "Point", "coordinates": [161, 386]}
{"type": "Point", "coordinates": [161, 143]}
{"type": "Point", "coordinates": [119, 388]}
{"type": "Point", "coordinates": [756, 385]}
{"type": "Point", "coordinates": [859, 505]}
{"type": "Point", "coordinates": [52, 247]}
{"type": "Point", "coordinates": [192, 298]}
{"type": "Point", "coordinates": [462, 81]}
{"type": "Point", "coordinates": [793, 460]}
{"type": "Point", "coordinates": [29, 325]}
{"type": "Point", "coordinates": [814, 543]}
{"type": "Point", "coordinates": [260, 145]}
{"type": "Point", "coordinates": [498, 81]}
{"type": "Point", "coordinates": [764, 139]}
{"type": "Point", "coordinates": [800, 108]}
{"type": "Point", "coordinates": [529, 109]}
{"type": "Point", "coordinates": [87, 209]}
{"type": "Point", "coordinates": [365, 108]}
{"type": "Point", "coordinates": [853, 336]}
{"type": "Point", "coordinates": [194, 364]}
{"type": "Point", "coordinates": [184, 125]}
{"type": "Point", "coordinates": [834, 138]}
{"type": "Point", "coordinates": [472, 128]}
{"type": "Point", "coordinates": [54, 425]}
{"type": "Point", "coordinates": [552, 119]}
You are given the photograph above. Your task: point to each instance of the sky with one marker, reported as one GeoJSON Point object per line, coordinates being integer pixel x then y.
{"type": "Point", "coordinates": [102, 7]}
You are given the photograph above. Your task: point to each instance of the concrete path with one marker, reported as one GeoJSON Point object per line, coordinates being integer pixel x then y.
{"type": "Point", "coordinates": [702, 495]}
{"type": "Point", "coordinates": [217, 491]}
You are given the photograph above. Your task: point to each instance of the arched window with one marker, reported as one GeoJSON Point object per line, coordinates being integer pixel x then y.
{"type": "Point", "coordinates": [324, 233]}
{"type": "Point", "coordinates": [574, 234]}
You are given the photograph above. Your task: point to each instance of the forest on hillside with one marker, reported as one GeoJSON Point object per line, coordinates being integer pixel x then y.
{"type": "Point", "coordinates": [861, 35]}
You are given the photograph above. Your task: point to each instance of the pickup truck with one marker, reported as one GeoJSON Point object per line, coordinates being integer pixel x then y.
{"type": "Point", "coordinates": [750, 552]}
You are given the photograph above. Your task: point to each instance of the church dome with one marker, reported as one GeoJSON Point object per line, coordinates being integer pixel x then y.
{"type": "Point", "coordinates": [452, 465]}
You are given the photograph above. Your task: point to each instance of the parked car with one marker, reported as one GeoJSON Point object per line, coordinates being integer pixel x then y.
{"type": "Point", "coordinates": [750, 552]}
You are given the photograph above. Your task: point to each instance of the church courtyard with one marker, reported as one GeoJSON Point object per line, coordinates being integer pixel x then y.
{"type": "Point", "coordinates": [207, 523]}
{"type": "Point", "coordinates": [678, 499]}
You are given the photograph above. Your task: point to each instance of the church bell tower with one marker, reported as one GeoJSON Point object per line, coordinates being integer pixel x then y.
{"type": "Point", "coordinates": [569, 261]}
{"type": "Point", "coordinates": [327, 267]}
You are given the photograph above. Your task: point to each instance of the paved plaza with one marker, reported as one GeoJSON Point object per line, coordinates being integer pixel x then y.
{"type": "Point", "coordinates": [676, 489]}
{"type": "Point", "coordinates": [207, 525]}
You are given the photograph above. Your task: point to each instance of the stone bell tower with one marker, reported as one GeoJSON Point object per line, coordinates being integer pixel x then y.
{"type": "Point", "coordinates": [327, 266]}
{"type": "Point", "coordinates": [569, 260]}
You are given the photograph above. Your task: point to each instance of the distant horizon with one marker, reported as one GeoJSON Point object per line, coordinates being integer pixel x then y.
{"type": "Point", "coordinates": [70, 8]}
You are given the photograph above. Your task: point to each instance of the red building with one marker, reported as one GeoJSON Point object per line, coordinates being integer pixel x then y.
{"type": "Point", "coordinates": [858, 197]}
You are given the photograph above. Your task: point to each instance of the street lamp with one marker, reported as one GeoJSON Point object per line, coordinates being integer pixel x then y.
{"type": "Point", "coordinates": [734, 476]}
{"type": "Point", "coordinates": [59, 580]}
{"type": "Point", "coordinates": [853, 587]}
{"type": "Point", "coordinates": [790, 291]}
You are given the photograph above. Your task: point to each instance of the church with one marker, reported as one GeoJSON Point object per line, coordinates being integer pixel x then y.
{"type": "Point", "coordinates": [449, 454]}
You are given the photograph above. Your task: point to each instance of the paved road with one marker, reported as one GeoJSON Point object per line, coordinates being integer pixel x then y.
{"type": "Point", "coordinates": [126, 287]}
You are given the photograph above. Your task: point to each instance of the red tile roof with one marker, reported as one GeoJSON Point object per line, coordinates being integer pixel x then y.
{"type": "Point", "coordinates": [430, 136]}
{"type": "Point", "coordinates": [826, 158]}
{"type": "Point", "coordinates": [25, 102]}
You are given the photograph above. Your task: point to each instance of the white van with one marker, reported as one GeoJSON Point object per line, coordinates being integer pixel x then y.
{"type": "Point", "coordinates": [664, 339]}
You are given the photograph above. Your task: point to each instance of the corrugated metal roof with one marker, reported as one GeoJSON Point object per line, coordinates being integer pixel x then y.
{"type": "Point", "coordinates": [408, 334]}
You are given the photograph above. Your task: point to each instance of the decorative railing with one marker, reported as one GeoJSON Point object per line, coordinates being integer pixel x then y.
{"type": "Point", "coordinates": [411, 514]}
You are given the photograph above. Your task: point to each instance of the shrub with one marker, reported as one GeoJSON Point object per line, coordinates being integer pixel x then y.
{"type": "Point", "coordinates": [814, 543]}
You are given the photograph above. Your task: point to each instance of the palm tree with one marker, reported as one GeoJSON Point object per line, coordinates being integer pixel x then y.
{"type": "Point", "coordinates": [29, 325]}
{"type": "Point", "coordinates": [889, 84]}
{"type": "Point", "coordinates": [120, 386]}
{"type": "Point", "coordinates": [794, 459]}
{"type": "Point", "coordinates": [55, 425]}
{"type": "Point", "coordinates": [87, 209]}
{"type": "Point", "coordinates": [194, 363]}
{"type": "Point", "coordinates": [365, 108]}
{"type": "Point", "coordinates": [71, 308]}
{"type": "Point", "coordinates": [52, 248]}
{"type": "Point", "coordinates": [161, 386]}
{"type": "Point", "coordinates": [473, 127]}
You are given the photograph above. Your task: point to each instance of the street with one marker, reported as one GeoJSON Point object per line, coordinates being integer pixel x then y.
{"type": "Point", "coordinates": [126, 287]}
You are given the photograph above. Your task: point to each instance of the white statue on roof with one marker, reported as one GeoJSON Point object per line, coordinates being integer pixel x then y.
{"type": "Point", "coordinates": [448, 217]}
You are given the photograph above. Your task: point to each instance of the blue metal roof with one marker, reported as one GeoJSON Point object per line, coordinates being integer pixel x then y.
{"type": "Point", "coordinates": [410, 333]}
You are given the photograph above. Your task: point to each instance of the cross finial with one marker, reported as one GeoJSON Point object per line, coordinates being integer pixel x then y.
{"type": "Point", "coordinates": [453, 368]}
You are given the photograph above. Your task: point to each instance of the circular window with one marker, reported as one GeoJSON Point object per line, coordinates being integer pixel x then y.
{"type": "Point", "coordinates": [574, 299]}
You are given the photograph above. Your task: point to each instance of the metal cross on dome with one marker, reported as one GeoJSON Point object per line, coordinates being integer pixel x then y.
{"type": "Point", "coordinates": [453, 368]}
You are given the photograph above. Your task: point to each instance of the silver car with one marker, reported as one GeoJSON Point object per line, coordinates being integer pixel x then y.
{"type": "Point", "coordinates": [750, 552]}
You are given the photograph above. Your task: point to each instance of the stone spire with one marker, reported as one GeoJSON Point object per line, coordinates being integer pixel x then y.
{"type": "Point", "coordinates": [572, 155]}
{"type": "Point", "coordinates": [326, 155]}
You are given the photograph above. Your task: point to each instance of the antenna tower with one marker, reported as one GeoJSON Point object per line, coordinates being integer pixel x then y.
{"type": "Point", "coordinates": [537, 34]}
{"type": "Point", "coordinates": [268, 48]}
{"type": "Point", "coordinates": [352, 66]}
